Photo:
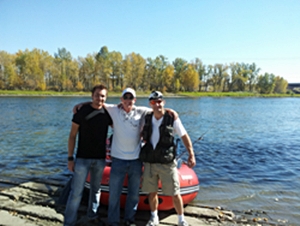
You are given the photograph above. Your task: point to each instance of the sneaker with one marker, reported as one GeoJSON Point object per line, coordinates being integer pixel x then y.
{"type": "Point", "coordinates": [153, 222]}
{"type": "Point", "coordinates": [183, 223]}
{"type": "Point", "coordinates": [128, 223]}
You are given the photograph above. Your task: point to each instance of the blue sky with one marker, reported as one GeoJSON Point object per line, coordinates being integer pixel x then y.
{"type": "Point", "coordinates": [266, 32]}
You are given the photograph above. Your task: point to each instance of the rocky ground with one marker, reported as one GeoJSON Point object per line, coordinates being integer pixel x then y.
{"type": "Point", "coordinates": [29, 203]}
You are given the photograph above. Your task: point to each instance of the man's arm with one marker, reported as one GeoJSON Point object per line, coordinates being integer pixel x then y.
{"type": "Point", "coordinates": [71, 144]}
{"type": "Point", "coordinates": [189, 147]}
{"type": "Point", "coordinates": [172, 113]}
{"type": "Point", "coordinates": [78, 106]}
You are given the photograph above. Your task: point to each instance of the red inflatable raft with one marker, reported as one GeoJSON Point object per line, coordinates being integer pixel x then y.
{"type": "Point", "coordinates": [189, 187]}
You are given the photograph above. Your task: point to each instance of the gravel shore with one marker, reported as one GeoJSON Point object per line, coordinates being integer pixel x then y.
{"type": "Point", "coordinates": [35, 203]}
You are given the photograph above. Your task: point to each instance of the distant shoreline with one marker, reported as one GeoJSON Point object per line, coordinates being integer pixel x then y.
{"type": "Point", "coordinates": [19, 93]}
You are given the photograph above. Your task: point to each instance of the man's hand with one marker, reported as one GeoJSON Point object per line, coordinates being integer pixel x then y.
{"type": "Point", "coordinates": [78, 106]}
{"type": "Point", "coordinates": [191, 161]}
{"type": "Point", "coordinates": [71, 165]}
{"type": "Point", "coordinates": [120, 105]}
{"type": "Point", "coordinates": [189, 147]}
{"type": "Point", "coordinates": [172, 113]}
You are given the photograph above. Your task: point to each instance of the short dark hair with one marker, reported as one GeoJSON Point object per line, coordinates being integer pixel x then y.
{"type": "Point", "coordinates": [101, 87]}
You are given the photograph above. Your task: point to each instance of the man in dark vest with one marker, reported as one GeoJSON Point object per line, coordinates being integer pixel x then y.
{"type": "Point", "coordinates": [158, 155]}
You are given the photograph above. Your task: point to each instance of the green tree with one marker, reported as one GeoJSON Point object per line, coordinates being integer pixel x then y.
{"type": "Point", "coordinates": [63, 59]}
{"type": "Point", "coordinates": [133, 69]}
{"type": "Point", "coordinates": [13, 80]}
{"type": "Point", "coordinates": [46, 64]}
{"type": "Point", "coordinates": [245, 72]}
{"type": "Point", "coordinates": [180, 65]}
{"type": "Point", "coordinates": [253, 74]}
{"type": "Point", "coordinates": [8, 72]}
{"type": "Point", "coordinates": [20, 62]}
{"type": "Point", "coordinates": [35, 78]}
{"type": "Point", "coordinates": [116, 77]}
{"type": "Point", "coordinates": [266, 83]}
{"type": "Point", "coordinates": [208, 77]}
{"type": "Point", "coordinates": [239, 76]}
{"type": "Point", "coordinates": [148, 78]}
{"type": "Point", "coordinates": [219, 76]}
{"type": "Point", "coordinates": [30, 66]}
{"type": "Point", "coordinates": [202, 73]}
{"type": "Point", "coordinates": [280, 85]}
{"type": "Point", "coordinates": [87, 71]}
{"type": "Point", "coordinates": [72, 75]}
{"type": "Point", "coordinates": [177, 86]}
{"type": "Point", "coordinates": [156, 72]}
{"type": "Point", "coordinates": [103, 67]}
{"type": "Point", "coordinates": [39, 64]}
{"type": "Point", "coordinates": [153, 74]}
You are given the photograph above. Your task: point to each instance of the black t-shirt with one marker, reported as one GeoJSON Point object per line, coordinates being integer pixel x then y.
{"type": "Point", "coordinates": [93, 127]}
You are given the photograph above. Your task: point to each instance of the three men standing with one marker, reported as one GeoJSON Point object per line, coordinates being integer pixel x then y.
{"type": "Point", "coordinates": [158, 131]}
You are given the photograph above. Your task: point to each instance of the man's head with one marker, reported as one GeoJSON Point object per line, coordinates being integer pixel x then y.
{"type": "Point", "coordinates": [99, 95]}
{"type": "Point", "coordinates": [128, 99]}
{"type": "Point", "coordinates": [156, 101]}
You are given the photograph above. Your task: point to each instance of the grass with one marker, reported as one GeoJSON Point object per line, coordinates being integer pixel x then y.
{"type": "Point", "coordinates": [143, 94]}
{"type": "Point", "coordinates": [40, 93]}
{"type": "Point", "coordinates": [234, 94]}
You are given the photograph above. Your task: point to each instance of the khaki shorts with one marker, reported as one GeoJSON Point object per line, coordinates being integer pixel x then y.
{"type": "Point", "coordinates": [166, 173]}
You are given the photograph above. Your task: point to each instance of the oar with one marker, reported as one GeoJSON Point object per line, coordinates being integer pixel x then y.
{"type": "Point", "coordinates": [182, 153]}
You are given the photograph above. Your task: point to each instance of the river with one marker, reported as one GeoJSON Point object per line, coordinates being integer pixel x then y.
{"type": "Point", "coordinates": [249, 158]}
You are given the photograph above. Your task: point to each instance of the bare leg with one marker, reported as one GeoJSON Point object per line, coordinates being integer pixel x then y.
{"type": "Point", "coordinates": [153, 201]}
{"type": "Point", "coordinates": [178, 204]}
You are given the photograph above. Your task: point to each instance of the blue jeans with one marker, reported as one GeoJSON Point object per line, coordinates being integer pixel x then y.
{"type": "Point", "coordinates": [81, 169]}
{"type": "Point", "coordinates": [119, 168]}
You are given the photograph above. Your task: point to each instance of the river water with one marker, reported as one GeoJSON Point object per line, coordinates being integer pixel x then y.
{"type": "Point", "coordinates": [249, 158]}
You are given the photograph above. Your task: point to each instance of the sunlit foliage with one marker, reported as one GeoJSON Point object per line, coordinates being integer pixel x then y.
{"type": "Point", "coordinates": [38, 70]}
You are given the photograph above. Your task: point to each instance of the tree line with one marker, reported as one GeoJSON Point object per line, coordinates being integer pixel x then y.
{"type": "Point", "coordinates": [38, 70]}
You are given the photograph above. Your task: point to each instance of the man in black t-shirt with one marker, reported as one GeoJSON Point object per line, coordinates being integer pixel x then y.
{"type": "Point", "coordinates": [91, 124]}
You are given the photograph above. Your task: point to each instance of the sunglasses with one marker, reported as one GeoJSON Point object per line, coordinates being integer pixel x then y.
{"type": "Point", "coordinates": [155, 101]}
{"type": "Point", "coordinates": [129, 97]}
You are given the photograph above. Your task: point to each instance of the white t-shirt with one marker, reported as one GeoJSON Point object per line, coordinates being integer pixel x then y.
{"type": "Point", "coordinates": [126, 131]}
{"type": "Point", "coordinates": [178, 129]}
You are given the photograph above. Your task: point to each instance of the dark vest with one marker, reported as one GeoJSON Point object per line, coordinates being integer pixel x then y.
{"type": "Point", "coordinates": [165, 151]}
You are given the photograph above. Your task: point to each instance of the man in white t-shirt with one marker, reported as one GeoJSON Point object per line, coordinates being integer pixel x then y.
{"type": "Point", "coordinates": [127, 119]}
{"type": "Point", "coordinates": [158, 134]}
